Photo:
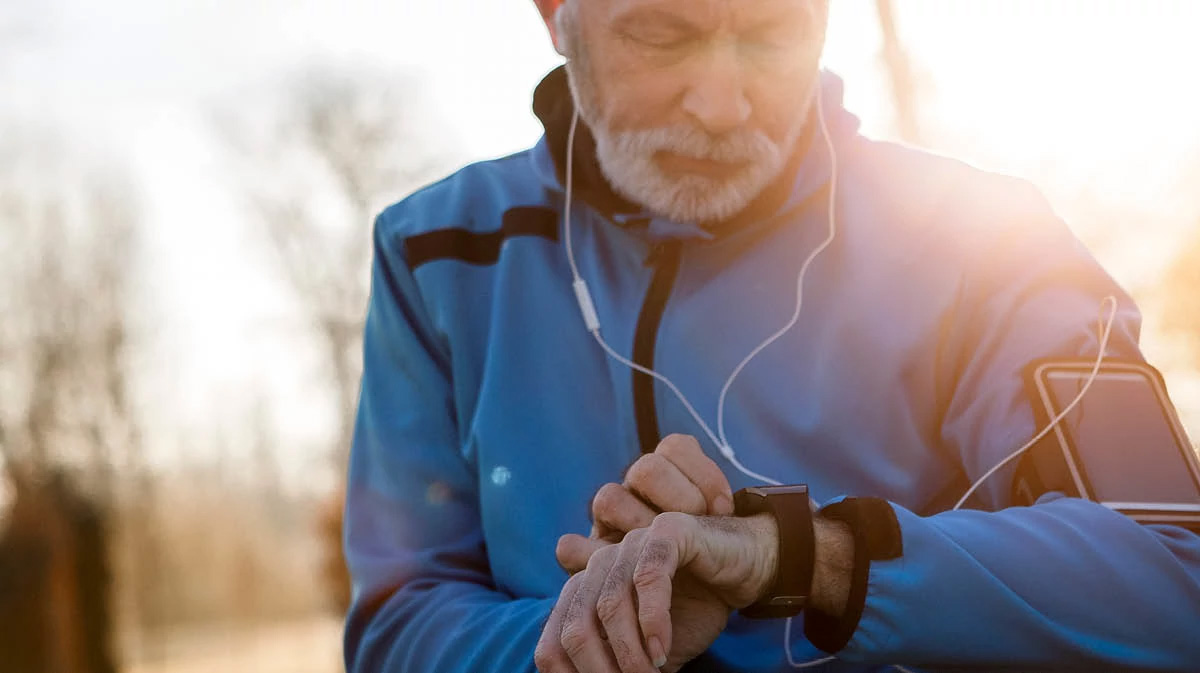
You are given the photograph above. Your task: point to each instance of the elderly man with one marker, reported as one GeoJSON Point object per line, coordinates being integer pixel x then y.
{"type": "Point", "coordinates": [703, 246]}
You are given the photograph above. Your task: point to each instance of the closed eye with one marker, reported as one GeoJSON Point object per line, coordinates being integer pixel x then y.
{"type": "Point", "coordinates": [658, 40]}
{"type": "Point", "coordinates": [656, 29]}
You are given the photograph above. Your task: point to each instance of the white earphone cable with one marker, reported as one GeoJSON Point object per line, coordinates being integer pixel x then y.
{"type": "Point", "coordinates": [719, 439]}
{"type": "Point", "coordinates": [587, 306]}
{"type": "Point", "coordinates": [1103, 348]}
{"type": "Point", "coordinates": [592, 320]}
{"type": "Point", "coordinates": [833, 182]}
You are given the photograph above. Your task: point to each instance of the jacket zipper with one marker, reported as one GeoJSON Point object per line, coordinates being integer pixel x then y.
{"type": "Point", "coordinates": [664, 258]}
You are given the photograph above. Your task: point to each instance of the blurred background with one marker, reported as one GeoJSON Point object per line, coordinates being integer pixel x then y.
{"type": "Point", "coordinates": [186, 195]}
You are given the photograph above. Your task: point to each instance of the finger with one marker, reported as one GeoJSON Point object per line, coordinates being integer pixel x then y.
{"type": "Point", "coordinates": [666, 546]}
{"type": "Point", "coordinates": [617, 509]}
{"type": "Point", "coordinates": [685, 454]}
{"type": "Point", "coordinates": [573, 551]}
{"type": "Point", "coordinates": [581, 637]}
{"type": "Point", "coordinates": [656, 480]}
{"type": "Point", "coordinates": [549, 656]}
{"type": "Point", "coordinates": [603, 532]}
{"type": "Point", "coordinates": [616, 608]}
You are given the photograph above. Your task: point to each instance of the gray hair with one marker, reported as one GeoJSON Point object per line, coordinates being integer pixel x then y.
{"type": "Point", "coordinates": [566, 24]}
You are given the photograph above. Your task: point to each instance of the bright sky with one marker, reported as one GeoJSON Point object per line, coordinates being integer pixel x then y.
{"type": "Point", "coordinates": [1075, 94]}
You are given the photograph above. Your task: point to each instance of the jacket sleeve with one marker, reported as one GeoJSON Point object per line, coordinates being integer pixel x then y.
{"type": "Point", "coordinates": [1065, 584]}
{"type": "Point", "coordinates": [423, 596]}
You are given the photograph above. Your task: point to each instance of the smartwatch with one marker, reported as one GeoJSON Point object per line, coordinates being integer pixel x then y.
{"type": "Point", "coordinates": [788, 592]}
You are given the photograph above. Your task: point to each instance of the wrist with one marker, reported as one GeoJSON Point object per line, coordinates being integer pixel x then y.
{"type": "Point", "coordinates": [833, 566]}
{"type": "Point", "coordinates": [840, 597]}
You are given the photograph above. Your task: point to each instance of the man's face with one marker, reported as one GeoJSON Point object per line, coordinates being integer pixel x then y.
{"type": "Point", "coordinates": [695, 104]}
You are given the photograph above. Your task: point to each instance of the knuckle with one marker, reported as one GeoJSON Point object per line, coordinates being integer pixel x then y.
{"type": "Point", "coordinates": [693, 502]}
{"type": "Point", "coordinates": [562, 547]}
{"type": "Point", "coordinates": [670, 523]}
{"type": "Point", "coordinates": [573, 550]}
{"type": "Point", "coordinates": [566, 597]}
{"type": "Point", "coordinates": [642, 472]}
{"type": "Point", "coordinates": [574, 639]}
{"type": "Point", "coordinates": [607, 498]}
{"type": "Point", "coordinates": [602, 557]}
{"type": "Point", "coordinates": [679, 446]}
{"type": "Point", "coordinates": [645, 576]}
{"type": "Point", "coordinates": [548, 658]}
{"type": "Point", "coordinates": [652, 566]}
{"type": "Point", "coordinates": [570, 583]}
{"type": "Point", "coordinates": [608, 606]}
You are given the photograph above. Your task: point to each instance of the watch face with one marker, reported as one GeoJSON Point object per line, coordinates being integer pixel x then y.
{"type": "Point", "coordinates": [795, 488]}
{"type": "Point", "coordinates": [752, 500]}
{"type": "Point", "coordinates": [764, 491]}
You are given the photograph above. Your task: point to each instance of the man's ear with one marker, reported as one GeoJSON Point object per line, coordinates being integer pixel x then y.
{"type": "Point", "coordinates": [548, 10]}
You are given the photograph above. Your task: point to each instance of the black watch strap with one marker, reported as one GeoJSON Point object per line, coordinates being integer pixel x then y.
{"type": "Point", "coordinates": [794, 571]}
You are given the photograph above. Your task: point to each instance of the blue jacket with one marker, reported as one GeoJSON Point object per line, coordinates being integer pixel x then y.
{"type": "Point", "coordinates": [489, 416]}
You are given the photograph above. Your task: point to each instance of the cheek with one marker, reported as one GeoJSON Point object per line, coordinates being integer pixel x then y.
{"type": "Point", "coordinates": [637, 97]}
{"type": "Point", "coordinates": [778, 113]}
{"type": "Point", "coordinates": [779, 102]}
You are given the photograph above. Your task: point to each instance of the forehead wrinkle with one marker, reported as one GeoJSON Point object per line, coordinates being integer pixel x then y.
{"type": "Point", "coordinates": [707, 15]}
{"type": "Point", "coordinates": [745, 10]}
{"type": "Point", "coordinates": [700, 14]}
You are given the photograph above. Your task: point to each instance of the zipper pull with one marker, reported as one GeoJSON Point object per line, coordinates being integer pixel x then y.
{"type": "Point", "coordinates": [652, 257]}
{"type": "Point", "coordinates": [660, 251]}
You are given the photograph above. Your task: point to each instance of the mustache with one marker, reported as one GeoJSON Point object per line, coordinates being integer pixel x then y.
{"type": "Point", "coordinates": [740, 146]}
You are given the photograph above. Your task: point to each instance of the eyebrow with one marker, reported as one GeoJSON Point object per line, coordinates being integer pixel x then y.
{"type": "Point", "coordinates": [633, 18]}
{"type": "Point", "coordinates": [663, 18]}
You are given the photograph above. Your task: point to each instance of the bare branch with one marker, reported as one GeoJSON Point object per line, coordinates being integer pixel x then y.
{"type": "Point", "coordinates": [342, 146]}
{"type": "Point", "coordinates": [899, 69]}
{"type": "Point", "coordinates": [65, 265]}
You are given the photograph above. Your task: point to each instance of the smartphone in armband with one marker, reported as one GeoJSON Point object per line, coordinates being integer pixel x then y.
{"type": "Point", "coordinates": [1121, 446]}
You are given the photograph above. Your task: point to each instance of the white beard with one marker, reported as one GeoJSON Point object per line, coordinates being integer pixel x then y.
{"type": "Point", "coordinates": [627, 159]}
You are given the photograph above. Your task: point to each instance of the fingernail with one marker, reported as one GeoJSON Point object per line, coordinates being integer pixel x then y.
{"type": "Point", "coordinates": [722, 505]}
{"type": "Point", "coordinates": [657, 656]}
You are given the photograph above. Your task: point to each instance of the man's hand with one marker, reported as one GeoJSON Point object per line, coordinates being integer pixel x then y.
{"type": "Point", "coordinates": [660, 597]}
{"type": "Point", "coordinates": [677, 477]}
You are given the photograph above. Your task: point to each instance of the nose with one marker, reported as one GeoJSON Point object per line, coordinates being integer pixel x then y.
{"type": "Point", "coordinates": [716, 98]}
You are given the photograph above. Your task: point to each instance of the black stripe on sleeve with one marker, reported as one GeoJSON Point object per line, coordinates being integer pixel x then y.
{"type": "Point", "coordinates": [480, 248]}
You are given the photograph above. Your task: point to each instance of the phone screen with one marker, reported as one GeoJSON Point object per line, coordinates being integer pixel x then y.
{"type": "Point", "coordinates": [1126, 438]}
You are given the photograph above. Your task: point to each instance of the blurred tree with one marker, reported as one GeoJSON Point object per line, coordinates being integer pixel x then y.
{"type": "Point", "coordinates": [331, 151]}
{"type": "Point", "coordinates": [325, 156]}
{"type": "Point", "coordinates": [899, 69]}
{"type": "Point", "coordinates": [66, 281]}
{"type": "Point", "coordinates": [67, 241]}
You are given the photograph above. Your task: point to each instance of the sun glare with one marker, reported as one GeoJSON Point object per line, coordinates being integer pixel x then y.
{"type": "Point", "coordinates": [1090, 85]}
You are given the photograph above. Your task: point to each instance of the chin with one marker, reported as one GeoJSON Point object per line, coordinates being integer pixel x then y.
{"type": "Point", "coordinates": [688, 198]}
{"type": "Point", "coordinates": [706, 205]}
{"type": "Point", "coordinates": [628, 160]}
